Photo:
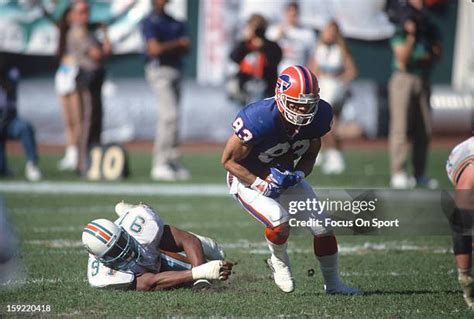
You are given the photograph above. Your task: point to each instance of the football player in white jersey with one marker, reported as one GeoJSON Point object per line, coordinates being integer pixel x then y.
{"type": "Point", "coordinates": [140, 252]}
{"type": "Point", "coordinates": [460, 169]}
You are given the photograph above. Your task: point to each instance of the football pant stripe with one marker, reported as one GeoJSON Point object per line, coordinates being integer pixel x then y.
{"type": "Point", "coordinates": [254, 212]}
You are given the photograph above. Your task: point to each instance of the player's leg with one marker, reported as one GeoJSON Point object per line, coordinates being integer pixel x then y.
{"type": "Point", "coordinates": [275, 218]}
{"type": "Point", "coordinates": [462, 246]}
{"type": "Point", "coordinates": [279, 262]}
{"type": "Point", "coordinates": [324, 241]}
{"type": "Point", "coordinates": [461, 225]}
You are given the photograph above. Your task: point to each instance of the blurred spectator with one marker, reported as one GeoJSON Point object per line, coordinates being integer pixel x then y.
{"type": "Point", "coordinates": [166, 44]}
{"type": "Point", "coordinates": [65, 84]}
{"type": "Point", "coordinates": [335, 68]}
{"type": "Point", "coordinates": [12, 272]}
{"type": "Point", "coordinates": [89, 54]}
{"type": "Point", "coordinates": [12, 126]}
{"type": "Point", "coordinates": [296, 41]}
{"type": "Point", "coordinates": [416, 46]}
{"type": "Point", "coordinates": [258, 60]}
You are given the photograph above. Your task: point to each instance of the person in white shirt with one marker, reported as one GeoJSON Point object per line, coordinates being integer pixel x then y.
{"type": "Point", "coordinates": [296, 41]}
{"type": "Point", "coordinates": [335, 68]}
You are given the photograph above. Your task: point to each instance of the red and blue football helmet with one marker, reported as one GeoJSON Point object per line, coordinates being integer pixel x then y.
{"type": "Point", "coordinates": [297, 88]}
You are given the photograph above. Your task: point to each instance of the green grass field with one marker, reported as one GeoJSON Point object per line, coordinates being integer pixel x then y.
{"type": "Point", "coordinates": [403, 277]}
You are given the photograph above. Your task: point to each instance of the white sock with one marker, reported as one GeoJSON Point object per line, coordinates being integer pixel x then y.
{"type": "Point", "coordinates": [464, 272]}
{"type": "Point", "coordinates": [329, 270]}
{"type": "Point", "coordinates": [279, 251]}
{"type": "Point", "coordinates": [71, 151]}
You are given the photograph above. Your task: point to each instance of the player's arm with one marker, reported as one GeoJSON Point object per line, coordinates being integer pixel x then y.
{"type": "Point", "coordinates": [213, 270]}
{"type": "Point", "coordinates": [164, 280]}
{"type": "Point", "coordinates": [235, 151]}
{"type": "Point", "coordinates": [177, 240]}
{"type": "Point", "coordinates": [306, 163]}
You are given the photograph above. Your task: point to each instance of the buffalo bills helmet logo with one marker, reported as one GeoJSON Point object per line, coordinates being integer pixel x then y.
{"type": "Point", "coordinates": [283, 82]}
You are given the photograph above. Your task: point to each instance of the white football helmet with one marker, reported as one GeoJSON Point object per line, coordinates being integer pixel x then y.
{"type": "Point", "coordinates": [111, 244]}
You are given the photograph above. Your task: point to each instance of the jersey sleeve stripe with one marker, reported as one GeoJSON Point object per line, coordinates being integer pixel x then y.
{"type": "Point", "coordinates": [95, 235]}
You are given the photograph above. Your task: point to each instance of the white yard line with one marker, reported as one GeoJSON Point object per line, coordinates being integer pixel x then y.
{"type": "Point", "coordinates": [142, 189]}
{"type": "Point", "coordinates": [187, 189]}
{"type": "Point", "coordinates": [178, 207]}
{"type": "Point", "coordinates": [260, 248]}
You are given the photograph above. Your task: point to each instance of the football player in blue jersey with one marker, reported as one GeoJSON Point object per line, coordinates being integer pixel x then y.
{"type": "Point", "coordinates": [270, 136]}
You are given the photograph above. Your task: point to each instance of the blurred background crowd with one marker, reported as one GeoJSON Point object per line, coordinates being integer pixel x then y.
{"type": "Point", "coordinates": [77, 73]}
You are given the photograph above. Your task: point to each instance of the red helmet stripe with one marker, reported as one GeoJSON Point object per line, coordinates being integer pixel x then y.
{"type": "Point", "coordinates": [99, 232]}
{"type": "Point", "coordinates": [307, 79]}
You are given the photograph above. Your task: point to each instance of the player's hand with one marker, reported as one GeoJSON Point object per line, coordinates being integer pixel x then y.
{"type": "Point", "coordinates": [284, 178]}
{"type": "Point", "coordinates": [212, 270]}
{"type": "Point", "coordinates": [225, 270]}
{"type": "Point", "coordinates": [268, 189]}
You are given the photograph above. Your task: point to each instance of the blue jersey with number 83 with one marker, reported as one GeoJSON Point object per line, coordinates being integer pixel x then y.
{"type": "Point", "coordinates": [261, 125]}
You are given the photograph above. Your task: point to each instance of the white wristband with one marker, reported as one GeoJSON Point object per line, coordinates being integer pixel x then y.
{"type": "Point", "coordinates": [208, 270]}
{"type": "Point", "coordinates": [258, 181]}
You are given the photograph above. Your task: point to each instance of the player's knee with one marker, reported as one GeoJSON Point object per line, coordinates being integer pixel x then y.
{"type": "Point", "coordinates": [325, 245]}
{"type": "Point", "coordinates": [279, 234]}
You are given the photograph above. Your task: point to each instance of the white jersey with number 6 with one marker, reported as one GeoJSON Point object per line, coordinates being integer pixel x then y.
{"type": "Point", "coordinates": [461, 156]}
{"type": "Point", "coordinates": [146, 227]}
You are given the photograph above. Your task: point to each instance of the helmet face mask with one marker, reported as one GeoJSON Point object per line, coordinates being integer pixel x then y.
{"type": "Point", "coordinates": [290, 109]}
{"type": "Point", "coordinates": [297, 95]}
{"type": "Point", "coordinates": [123, 254]}
{"type": "Point", "coordinates": [111, 245]}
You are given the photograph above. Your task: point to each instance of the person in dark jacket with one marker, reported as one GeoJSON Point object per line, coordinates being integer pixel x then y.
{"type": "Point", "coordinates": [258, 60]}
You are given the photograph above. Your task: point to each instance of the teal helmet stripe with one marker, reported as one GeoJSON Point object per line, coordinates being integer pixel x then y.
{"type": "Point", "coordinates": [102, 228]}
